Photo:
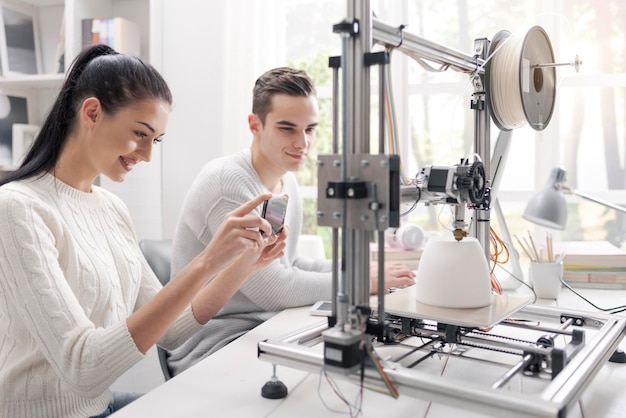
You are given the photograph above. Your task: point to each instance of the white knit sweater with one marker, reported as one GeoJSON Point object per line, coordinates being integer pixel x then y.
{"type": "Point", "coordinates": [222, 186]}
{"type": "Point", "coordinates": [70, 273]}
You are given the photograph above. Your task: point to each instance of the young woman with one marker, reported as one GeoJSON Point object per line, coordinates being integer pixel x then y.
{"type": "Point", "coordinates": [79, 304]}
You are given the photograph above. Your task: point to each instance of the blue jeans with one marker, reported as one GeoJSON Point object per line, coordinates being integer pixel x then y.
{"type": "Point", "coordinates": [120, 400]}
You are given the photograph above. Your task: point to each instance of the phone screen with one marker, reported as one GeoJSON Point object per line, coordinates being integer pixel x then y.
{"type": "Point", "coordinates": [274, 211]}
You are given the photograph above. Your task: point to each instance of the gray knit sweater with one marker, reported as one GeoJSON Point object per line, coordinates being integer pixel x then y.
{"type": "Point", "coordinates": [223, 185]}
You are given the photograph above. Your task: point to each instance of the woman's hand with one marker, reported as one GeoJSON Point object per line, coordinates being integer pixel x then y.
{"type": "Point", "coordinates": [396, 275]}
{"type": "Point", "coordinates": [238, 233]}
{"type": "Point", "coordinates": [273, 249]}
{"type": "Point", "coordinates": [219, 290]}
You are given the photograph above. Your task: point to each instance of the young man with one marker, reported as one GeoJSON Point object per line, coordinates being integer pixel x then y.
{"type": "Point", "coordinates": [283, 122]}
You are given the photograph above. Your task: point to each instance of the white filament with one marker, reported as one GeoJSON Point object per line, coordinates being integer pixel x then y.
{"type": "Point", "coordinates": [505, 86]}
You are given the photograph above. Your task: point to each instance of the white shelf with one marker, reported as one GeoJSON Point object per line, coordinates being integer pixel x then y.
{"type": "Point", "coordinates": [32, 82]}
{"type": "Point", "coordinates": [44, 3]}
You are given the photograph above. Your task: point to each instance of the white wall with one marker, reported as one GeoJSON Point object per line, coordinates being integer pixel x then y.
{"type": "Point", "coordinates": [193, 32]}
{"type": "Point", "coordinates": [210, 58]}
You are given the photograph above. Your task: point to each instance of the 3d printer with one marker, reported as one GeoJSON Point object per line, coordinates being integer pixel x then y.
{"type": "Point", "coordinates": [360, 194]}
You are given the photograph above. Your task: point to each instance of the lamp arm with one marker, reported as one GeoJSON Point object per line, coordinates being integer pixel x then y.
{"type": "Point", "coordinates": [593, 199]}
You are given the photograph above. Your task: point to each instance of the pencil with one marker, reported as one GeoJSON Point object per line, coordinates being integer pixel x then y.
{"type": "Point", "coordinates": [533, 246]}
{"type": "Point", "coordinates": [524, 248]}
{"type": "Point", "coordinates": [549, 248]}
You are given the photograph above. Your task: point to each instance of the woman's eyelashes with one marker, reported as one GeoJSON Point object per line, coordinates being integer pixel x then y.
{"type": "Point", "coordinates": [143, 135]}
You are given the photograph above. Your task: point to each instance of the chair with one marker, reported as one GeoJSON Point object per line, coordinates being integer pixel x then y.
{"type": "Point", "coordinates": [158, 254]}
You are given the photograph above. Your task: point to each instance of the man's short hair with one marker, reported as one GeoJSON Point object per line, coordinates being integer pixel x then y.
{"type": "Point", "coordinates": [281, 80]}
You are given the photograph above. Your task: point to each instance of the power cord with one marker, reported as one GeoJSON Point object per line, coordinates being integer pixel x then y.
{"type": "Point", "coordinates": [614, 310]}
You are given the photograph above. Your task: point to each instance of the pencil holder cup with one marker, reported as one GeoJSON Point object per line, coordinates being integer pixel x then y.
{"type": "Point", "coordinates": [546, 279]}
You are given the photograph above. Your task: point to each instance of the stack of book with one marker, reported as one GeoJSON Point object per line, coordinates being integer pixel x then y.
{"type": "Point", "coordinates": [592, 264]}
{"type": "Point", "coordinates": [409, 257]}
{"type": "Point", "coordinates": [118, 33]}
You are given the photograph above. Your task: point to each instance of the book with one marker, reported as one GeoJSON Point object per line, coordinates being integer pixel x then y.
{"type": "Point", "coordinates": [590, 255]}
{"type": "Point", "coordinates": [409, 257]}
{"type": "Point", "coordinates": [126, 38]}
{"type": "Point", "coordinates": [118, 33]}
{"type": "Point", "coordinates": [59, 54]}
{"type": "Point", "coordinates": [592, 264]}
{"type": "Point", "coordinates": [594, 277]}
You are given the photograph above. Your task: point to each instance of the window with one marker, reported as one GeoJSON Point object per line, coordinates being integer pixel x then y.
{"type": "Point", "coordinates": [586, 134]}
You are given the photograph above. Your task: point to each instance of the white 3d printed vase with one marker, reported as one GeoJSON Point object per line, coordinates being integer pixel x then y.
{"type": "Point", "coordinates": [453, 274]}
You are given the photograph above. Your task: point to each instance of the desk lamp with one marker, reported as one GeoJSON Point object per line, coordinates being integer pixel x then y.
{"type": "Point", "coordinates": [548, 208]}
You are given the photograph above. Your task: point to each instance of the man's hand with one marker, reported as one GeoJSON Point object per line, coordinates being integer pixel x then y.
{"type": "Point", "coordinates": [396, 275]}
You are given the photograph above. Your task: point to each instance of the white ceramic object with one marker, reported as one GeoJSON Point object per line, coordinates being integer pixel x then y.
{"type": "Point", "coordinates": [453, 274]}
{"type": "Point", "coordinates": [406, 237]}
{"type": "Point", "coordinates": [546, 279]}
{"type": "Point", "coordinates": [311, 246]}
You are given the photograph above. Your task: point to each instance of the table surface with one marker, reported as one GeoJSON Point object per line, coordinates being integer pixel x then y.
{"type": "Point", "coordinates": [228, 383]}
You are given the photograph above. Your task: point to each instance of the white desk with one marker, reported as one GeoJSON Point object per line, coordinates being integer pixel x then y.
{"type": "Point", "coordinates": [228, 383]}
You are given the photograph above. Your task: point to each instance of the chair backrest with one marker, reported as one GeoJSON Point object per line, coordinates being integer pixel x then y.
{"type": "Point", "coordinates": [158, 254]}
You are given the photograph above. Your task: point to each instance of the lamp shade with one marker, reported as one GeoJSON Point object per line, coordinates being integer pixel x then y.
{"type": "Point", "coordinates": [453, 274]}
{"type": "Point", "coordinates": [548, 207]}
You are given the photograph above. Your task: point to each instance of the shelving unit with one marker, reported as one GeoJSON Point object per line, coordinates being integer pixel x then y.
{"type": "Point", "coordinates": [50, 15]}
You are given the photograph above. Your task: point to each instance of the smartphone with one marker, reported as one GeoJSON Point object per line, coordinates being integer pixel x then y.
{"type": "Point", "coordinates": [322, 308]}
{"type": "Point", "coordinates": [274, 211]}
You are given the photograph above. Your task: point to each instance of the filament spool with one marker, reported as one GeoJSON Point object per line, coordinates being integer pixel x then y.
{"type": "Point", "coordinates": [518, 90]}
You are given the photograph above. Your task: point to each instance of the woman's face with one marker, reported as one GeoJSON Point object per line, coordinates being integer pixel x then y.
{"type": "Point", "coordinates": [126, 138]}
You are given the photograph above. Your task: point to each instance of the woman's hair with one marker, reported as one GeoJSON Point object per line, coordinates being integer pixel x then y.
{"type": "Point", "coordinates": [115, 79]}
{"type": "Point", "coordinates": [281, 80]}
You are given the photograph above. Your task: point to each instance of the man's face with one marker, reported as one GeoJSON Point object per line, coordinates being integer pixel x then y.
{"type": "Point", "coordinates": [288, 133]}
